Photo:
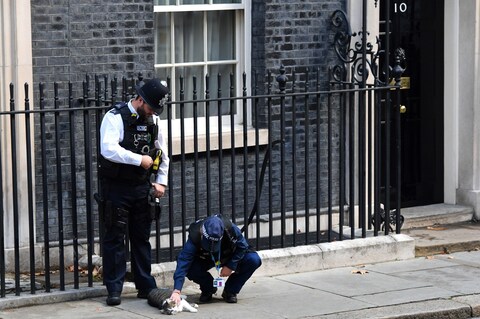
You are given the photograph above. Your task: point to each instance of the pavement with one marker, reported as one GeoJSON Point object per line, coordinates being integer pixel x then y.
{"type": "Point", "coordinates": [433, 272]}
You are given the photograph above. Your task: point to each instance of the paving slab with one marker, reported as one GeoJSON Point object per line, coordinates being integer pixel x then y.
{"type": "Point", "coordinates": [420, 263]}
{"type": "Point", "coordinates": [71, 309]}
{"type": "Point", "coordinates": [461, 279]}
{"type": "Point", "coordinates": [347, 282]}
{"type": "Point", "coordinates": [397, 297]}
{"type": "Point", "coordinates": [300, 305]}
{"type": "Point", "coordinates": [433, 309]}
{"type": "Point", "coordinates": [468, 258]}
{"type": "Point", "coordinates": [284, 299]}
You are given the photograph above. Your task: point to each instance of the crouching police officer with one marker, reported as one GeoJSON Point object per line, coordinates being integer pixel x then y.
{"type": "Point", "coordinates": [215, 242]}
{"type": "Point", "coordinates": [132, 148]}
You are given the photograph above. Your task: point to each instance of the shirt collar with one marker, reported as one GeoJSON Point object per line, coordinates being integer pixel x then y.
{"type": "Point", "coordinates": [131, 108]}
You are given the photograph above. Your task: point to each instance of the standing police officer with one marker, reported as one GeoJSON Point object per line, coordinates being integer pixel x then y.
{"type": "Point", "coordinates": [132, 148]}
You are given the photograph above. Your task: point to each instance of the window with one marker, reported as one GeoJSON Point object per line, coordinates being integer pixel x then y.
{"type": "Point", "coordinates": [198, 37]}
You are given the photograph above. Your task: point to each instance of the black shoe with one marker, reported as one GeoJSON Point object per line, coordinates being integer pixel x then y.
{"type": "Point", "coordinates": [229, 297]}
{"type": "Point", "coordinates": [206, 297]}
{"type": "Point", "coordinates": [143, 293]}
{"type": "Point", "coordinates": [114, 299]}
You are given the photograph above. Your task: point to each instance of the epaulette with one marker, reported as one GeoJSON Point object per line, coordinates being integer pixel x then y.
{"type": "Point", "coordinates": [118, 107]}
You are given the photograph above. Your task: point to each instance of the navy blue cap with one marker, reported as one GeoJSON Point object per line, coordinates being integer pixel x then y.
{"type": "Point", "coordinates": [212, 233]}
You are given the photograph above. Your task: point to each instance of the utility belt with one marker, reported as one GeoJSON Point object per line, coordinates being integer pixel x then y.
{"type": "Point", "coordinates": [118, 217]}
{"type": "Point", "coordinates": [113, 216]}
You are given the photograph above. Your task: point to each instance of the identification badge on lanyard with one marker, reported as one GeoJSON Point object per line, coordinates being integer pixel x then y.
{"type": "Point", "coordinates": [218, 282]}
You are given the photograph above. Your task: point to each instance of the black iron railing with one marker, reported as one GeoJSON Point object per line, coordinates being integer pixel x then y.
{"type": "Point", "coordinates": [288, 167]}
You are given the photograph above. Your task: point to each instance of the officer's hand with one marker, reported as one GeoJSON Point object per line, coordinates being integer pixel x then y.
{"type": "Point", "coordinates": [225, 271]}
{"type": "Point", "coordinates": [147, 162]}
{"type": "Point", "coordinates": [176, 297]}
{"type": "Point", "coordinates": [158, 190]}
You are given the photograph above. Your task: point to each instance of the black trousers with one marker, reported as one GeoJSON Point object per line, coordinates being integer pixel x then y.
{"type": "Point", "coordinates": [134, 200]}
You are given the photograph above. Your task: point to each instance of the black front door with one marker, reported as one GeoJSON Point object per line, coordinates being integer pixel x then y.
{"type": "Point", "coordinates": [417, 27]}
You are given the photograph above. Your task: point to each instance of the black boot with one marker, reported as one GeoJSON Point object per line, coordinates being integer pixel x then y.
{"type": "Point", "coordinates": [206, 297]}
{"type": "Point", "coordinates": [229, 297]}
{"type": "Point", "coordinates": [114, 299]}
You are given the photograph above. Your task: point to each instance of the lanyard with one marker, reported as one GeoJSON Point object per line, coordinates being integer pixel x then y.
{"type": "Point", "coordinates": [217, 264]}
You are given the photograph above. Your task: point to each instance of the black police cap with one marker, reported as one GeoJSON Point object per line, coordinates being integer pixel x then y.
{"type": "Point", "coordinates": [154, 93]}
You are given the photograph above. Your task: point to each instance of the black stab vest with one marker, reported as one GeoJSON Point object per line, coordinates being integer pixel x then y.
{"type": "Point", "coordinates": [139, 137]}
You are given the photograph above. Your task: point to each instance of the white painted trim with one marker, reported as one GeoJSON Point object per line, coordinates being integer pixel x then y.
{"type": "Point", "coordinates": [476, 98]}
{"type": "Point", "coordinates": [15, 67]}
{"type": "Point", "coordinates": [451, 100]}
{"type": "Point", "coordinates": [214, 140]}
{"type": "Point", "coordinates": [198, 7]}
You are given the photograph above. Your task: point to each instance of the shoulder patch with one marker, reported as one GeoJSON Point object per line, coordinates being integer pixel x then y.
{"type": "Point", "coordinates": [119, 105]}
{"type": "Point", "coordinates": [117, 108]}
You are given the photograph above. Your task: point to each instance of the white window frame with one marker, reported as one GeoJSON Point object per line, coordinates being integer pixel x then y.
{"type": "Point", "coordinates": [242, 64]}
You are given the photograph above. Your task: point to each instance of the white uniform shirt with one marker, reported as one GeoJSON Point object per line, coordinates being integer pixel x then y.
{"type": "Point", "coordinates": [111, 135]}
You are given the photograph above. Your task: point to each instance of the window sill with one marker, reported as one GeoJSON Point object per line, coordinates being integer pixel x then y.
{"type": "Point", "coordinates": [226, 141]}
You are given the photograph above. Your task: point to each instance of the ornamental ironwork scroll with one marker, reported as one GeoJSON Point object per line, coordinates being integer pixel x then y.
{"type": "Point", "coordinates": [353, 57]}
{"type": "Point", "coordinates": [359, 60]}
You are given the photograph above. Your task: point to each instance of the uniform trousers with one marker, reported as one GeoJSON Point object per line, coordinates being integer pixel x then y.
{"type": "Point", "coordinates": [199, 274]}
{"type": "Point", "coordinates": [134, 199]}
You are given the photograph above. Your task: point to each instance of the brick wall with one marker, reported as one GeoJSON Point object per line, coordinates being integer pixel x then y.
{"type": "Point", "coordinates": [293, 33]}
{"type": "Point", "coordinates": [72, 38]}
{"type": "Point", "coordinates": [115, 38]}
